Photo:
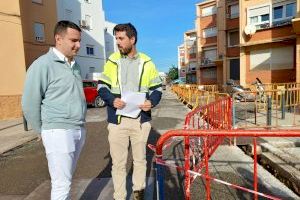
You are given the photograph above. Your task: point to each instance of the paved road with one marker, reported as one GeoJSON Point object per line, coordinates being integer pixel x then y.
{"type": "Point", "coordinates": [25, 168]}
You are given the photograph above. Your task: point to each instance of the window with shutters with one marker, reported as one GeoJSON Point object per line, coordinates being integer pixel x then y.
{"type": "Point", "coordinates": [39, 32]}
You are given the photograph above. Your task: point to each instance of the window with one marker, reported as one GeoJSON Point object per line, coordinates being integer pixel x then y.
{"type": "Point", "coordinates": [209, 11]}
{"type": "Point", "coordinates": [282, 58]}
{"type": "Point", "coordinates": [259, 17]}
{"type": "Point", "coordinates": [272, 59]}
{"type": "Point", "coordinates": [37, 1]}
{"type": "Point", "coordinates": [192, 49]}
{"type": "Point", "coordinates": [283, 13]}
{"type": "Point", "coordinates": [233, 38]}
{"type": "Point", "coordinates": [182, 60]}
{"type": "Point", "coordinates": [91, 69]}
{"type": "Point", "coordinates": [39, 32]}
{"type": "Point", "coordinates": [209, 73]}
{"type": "Point", "coordinates": [234, 11]}
{"type": "Point", "coordinates": [278, 12]}
{"type": "Point", "coordinates": [267, 15]}
{"type": "Point", "coordinates": [291, 10]}
{"type": "Point", "coordinates": [210, 55]}
{"type": "Point", "coordinates": [209, 32]}
{"type": "Point", "coordinates": [90, 50]}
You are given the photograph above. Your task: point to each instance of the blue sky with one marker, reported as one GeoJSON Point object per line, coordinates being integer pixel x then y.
{"type": "Point", "coordinates": [160, 25]}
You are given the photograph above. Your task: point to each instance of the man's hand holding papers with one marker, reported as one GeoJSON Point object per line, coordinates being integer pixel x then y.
{"type": "Point", "coordinates": [133, 101]}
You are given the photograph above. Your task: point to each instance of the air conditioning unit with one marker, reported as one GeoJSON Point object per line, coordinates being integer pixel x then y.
{"type": "Point", "coordinates": [84, 24]}
{"type": "Point", "coordinates": [39, 39]}
{"type": "Point", "coordinates": [205, 61]}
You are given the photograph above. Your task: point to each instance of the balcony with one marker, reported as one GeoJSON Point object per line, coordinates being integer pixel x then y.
{"type": "Point", "coordinates": [274, 24]}
{"type": "Point", "coordinates": [232, 16]}
{"type": "Point", "coordinates": [206, 62]}
{"type": "Point", "coordinates": [192, 56]}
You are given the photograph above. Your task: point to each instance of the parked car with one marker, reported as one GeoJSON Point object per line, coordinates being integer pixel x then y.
{"type": "Point", "coordinates": [91, 93]}
{"type": "Point", "coordinates": [177, 81]}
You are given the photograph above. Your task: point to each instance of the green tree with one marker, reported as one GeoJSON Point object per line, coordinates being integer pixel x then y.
{"type": "Point", "coordinates": [173, 73]}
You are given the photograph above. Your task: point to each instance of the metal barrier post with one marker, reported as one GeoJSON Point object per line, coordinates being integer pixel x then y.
{"type": "Point", "coordinates": [255, 167]}
{"type": "Point", "coordinates": [233, 112]}
{"type": "Point", "coordinates": [233, 117]}
{"type": "Point", "coordinates": [25, 124]}
{"type": "Point", "coordinates": [269, 111]}
{"type": "Point", "coordinates": [207, 180]}
{"type": "Point", "coordinates": [187, 176]}
{"type": "Point", "coordinates": [160, 180]}
{"type": "Point", "coordinates": [282, 105]}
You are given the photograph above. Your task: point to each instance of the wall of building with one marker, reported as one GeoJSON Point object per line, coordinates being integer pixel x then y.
{"type": "Point", "coordinates": [221, 41]}
{"type": "Point", "coordinates": [110, 42]}
{"type": "Point", "coordinates": [269, 76]}
{"type": "Point", "coordinates": [298, 44]}
{"type": "Point", "coordinates": [262, 40]}
{"type": "Point", "coordinates": [31, 13]}
{"type": "Point", "coordinates": [12, 60]}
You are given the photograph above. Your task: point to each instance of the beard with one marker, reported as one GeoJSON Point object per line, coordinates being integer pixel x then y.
{"type": "Point", "coordinates": [125, 51]}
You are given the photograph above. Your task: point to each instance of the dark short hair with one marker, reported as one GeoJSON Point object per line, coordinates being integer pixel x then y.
{"type": "Point", "coordinates": [63, 25]}
{"type": "Point", "coordinates": [128, 28]}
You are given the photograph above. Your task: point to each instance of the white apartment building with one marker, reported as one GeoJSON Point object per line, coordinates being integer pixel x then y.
{"type": "Point", "coordinates": [181, 63]}
{"type": "Point", "coordinates": [110, 42]}
{"type": "Point", "coordinates": [89, 15]}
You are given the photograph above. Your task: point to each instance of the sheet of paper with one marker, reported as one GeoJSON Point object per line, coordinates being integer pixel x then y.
{"type": "Point", "coordinates": [132, 100]}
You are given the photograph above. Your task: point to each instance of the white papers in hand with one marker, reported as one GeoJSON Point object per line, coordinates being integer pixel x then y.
{"type": "Point", "coordinates": [132, 100]}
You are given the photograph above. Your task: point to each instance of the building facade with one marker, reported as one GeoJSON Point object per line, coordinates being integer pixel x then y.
{"type": "Point", "coordinates": [207, 38]}
{"type": "Point", "coordinates": [38, 20]}
{"type": "Point", "coordinates": [296, 27]}
{"type": "Point", "coordinates": [267, 41]}
{"type": "Point", "coordinates": [242, 40]}
{"type": "Point", "coordinates": [110, 42]}
{"type": "Point", "coordinates": [28, 33]}
{"type": "Point", "coordinates": [190, 56]}
{"type": "Point", "coordinates": [181, 63]}
{"type": "Point", "coordinates": [89, 15]}
{"type": "Point", "coordinates": [12, 60]}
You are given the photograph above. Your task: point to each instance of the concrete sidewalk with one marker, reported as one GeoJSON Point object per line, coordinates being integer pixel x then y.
{"type": "Point", "coordinates": [12, 134]}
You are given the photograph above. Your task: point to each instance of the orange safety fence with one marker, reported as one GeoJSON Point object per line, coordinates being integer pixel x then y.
{"type": "Point", "coordinates": [197, 95]}
{"type": "Point", "coordinates": [278, 108]}
{"type": "Point", "coordinates": [205, 135]}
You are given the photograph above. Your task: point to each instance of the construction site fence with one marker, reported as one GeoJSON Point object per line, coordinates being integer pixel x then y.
{"type": "Point", "coordinates": [275, 86]}
{"type": "Point", "coordinates": [197, 95]}
{"type": "Point", "coordinates": [203, 171]}
{"type": "Point", "coordinates": [270, 108]}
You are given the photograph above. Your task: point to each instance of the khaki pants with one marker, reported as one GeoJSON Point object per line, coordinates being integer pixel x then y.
{"type": "Point", "coordinates": [119, 136]}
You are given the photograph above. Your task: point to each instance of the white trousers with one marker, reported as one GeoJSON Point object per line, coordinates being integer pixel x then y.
{"type": "Point", "coordinates": [63, 147]}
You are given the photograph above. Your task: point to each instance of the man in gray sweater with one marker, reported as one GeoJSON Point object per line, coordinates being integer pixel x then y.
{"type": "Point", "coordinates": [54, 104]}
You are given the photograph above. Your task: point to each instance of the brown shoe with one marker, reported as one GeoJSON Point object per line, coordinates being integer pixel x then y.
{"type": "Point", "coordinates": [138, 195]}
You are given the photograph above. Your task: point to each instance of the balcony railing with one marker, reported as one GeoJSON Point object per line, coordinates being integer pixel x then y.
{"type": "Point", "coordinates": [274, 24]}
{"type": "Point", "coordinates": [232, 16]}
{"type": "Point", "coordinates": [207, 62]}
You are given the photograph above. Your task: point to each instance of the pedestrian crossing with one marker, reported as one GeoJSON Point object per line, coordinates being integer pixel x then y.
{"type": "Point", "coordinates": [92, 189]}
